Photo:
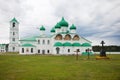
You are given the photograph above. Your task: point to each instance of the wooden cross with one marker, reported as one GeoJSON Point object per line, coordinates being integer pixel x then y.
{"type": "Point", "coordinates": [77, 53]}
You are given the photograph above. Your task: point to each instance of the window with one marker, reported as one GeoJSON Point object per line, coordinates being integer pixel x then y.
{"type": "Point", "coordinates": [13, 48]}
{"type": "Point", "coordinates": [38, 41]}
{"type": "Point", "coordinates": [13, 33]}
{"type": "Point", "coordinates": [13, 39]}
{"type": "Point", "coordinates": [13, 24]}
{"type": "Point", "coordinates": [67, 37]}
{"type": "Point", "coordinates": [31, 50]}
{"type": "Point", "coordinates": [27, 50]}
{"type": "Point", "coordinates": [22, 50]}
{"type": "Point", "coordinates": [78, 50]}
{"type": "Point", "coordinates": [48, 51]}
{"type": "Point", "coordinates": [48, 42]}
{"type": "Point", "coordinates": [68, 50]}
{"type": "Point", "coordinates": [76, 37]}
{"type": "Point", "coordinates": [43, 51]}
{"type": "Point", "coordinates": [58, 37]}
{"type": "Point", "coordinates": [38, 51]}
{"type": "Point", "coordinates": [62, 30]}
{"type": "Point", "coordinates": [43, 41]}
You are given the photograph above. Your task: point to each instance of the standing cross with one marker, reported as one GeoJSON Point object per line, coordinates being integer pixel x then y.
{"type": "Point", "coordinates": [102, 42]}
{"type": "Point", "coordinates": [77, 53]}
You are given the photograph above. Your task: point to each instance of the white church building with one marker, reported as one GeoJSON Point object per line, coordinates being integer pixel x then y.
{"type": "Point", "coordinates": [63, 39]}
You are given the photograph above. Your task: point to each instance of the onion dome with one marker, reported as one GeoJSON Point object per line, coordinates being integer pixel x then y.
{"type": "Point", "coordinates": [57, 25]}
{"type": "Point", "coordinates": [52, 30]}
{"type": "Point", "coordinates": [72, 27]}
{"type": "Point", "coordinates": [42, 28]}
{"type": "Point", "coordinates": [63, 22]}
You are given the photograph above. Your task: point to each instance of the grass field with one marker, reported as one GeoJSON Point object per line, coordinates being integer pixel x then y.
{"type": "Point", "coordinates": [49, 67]}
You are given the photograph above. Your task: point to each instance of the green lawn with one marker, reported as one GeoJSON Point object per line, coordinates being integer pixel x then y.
{"type": "Point", "coordinates": [48, 67]}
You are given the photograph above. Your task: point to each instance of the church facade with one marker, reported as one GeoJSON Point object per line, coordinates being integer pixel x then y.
{"type": "Point", "coordinates": [63, 39]}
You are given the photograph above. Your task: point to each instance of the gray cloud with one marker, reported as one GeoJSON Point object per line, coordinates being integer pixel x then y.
{"type": "Point", "coordinates": [95, 19]}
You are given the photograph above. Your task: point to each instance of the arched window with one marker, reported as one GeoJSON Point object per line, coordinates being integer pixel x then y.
{"type": "Point", "coordinates": [67, 37]}
{"type": "Point", "coordinates": [43, 51]}
{"type": "Point", "coordinates": [38, 41]}
{"type": "Point", "coordinates": [27, 50]}
{"type": "Point", "coordinates": [43, 41]}
{"type": "Point", "coordinates": [13, 24]}
{"type": "Point", "coordinates": [48, 41]}
{"type": "Point", "coordinates": [13, 39]}
{"type": "Point", "coordinates": [48, 51]}
{"type": "Point", "coordinates": [76, 37]}
{"type": "Point", "coordinates": [58, 37]}
{"type": "Point", "coordinates": [22, 50]}
{"type": "Point", "coordinates": [68, 50]}
{"type": "Point", "coordinates": [13, 48]}
{"type": "Point", "coordinates": [31, 50]}
{"type": "Point", "coordinates": [38, 51]}
{"type": "Point", "coordinates": [13, 33]}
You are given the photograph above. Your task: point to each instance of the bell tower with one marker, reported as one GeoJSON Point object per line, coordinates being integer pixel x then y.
{"type": "Point", "coordinates": [14, 36]}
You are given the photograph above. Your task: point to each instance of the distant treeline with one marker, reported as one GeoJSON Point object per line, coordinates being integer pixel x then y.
{"type": "Point", "coordinates": [111, 48]}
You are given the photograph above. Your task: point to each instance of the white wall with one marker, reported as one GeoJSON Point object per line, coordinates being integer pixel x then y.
{"type": "Point", "coordinates": [27, 48]}
{"type": "Point", "coordinates": [46, 46]}
{"type": "Point", "coordinates": [63, 29]}
{"type": "Point", "coordinates": [73, 31]}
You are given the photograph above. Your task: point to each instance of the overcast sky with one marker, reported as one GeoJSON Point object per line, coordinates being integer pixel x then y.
{"type": "Point", "coordinates": [96, 20]}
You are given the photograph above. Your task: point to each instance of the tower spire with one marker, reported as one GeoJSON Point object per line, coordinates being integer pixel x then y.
{"type": "Point", "coordinates": [14, 20]}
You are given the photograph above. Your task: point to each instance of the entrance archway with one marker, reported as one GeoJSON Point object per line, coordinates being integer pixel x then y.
{"type": "Point", "coordinates": [43, 51]}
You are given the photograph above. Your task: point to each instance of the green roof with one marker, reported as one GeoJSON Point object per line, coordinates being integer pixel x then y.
{"type": "Point", "coordinates": [27, 45]}
{"type": "Point", "coordinates": [58, 44]}
{"type": "Point", "coordinates": [72, 27]}
{"type": "Point", "coordinates": [29, 38]}
{"type": "Point", "coordinates": [33, 38]}
{"type": "Point", "coordinates": [42, 28]}
{"type": "Point", "coordinates": [57, 25]}
{"type": "Point", "coordinates": [68, 31]}
{"type": "Point", "coordinates": [63, 22]}
{"type": "Point", "coordinates": [14, 20]}
{"type": "Point", "coordinates": [52, 30]}
{"type": "Point", "coordinates": [67, 44]}
{"type": "Point", "coordinates": [86, 44]}
{"type": "Point", "coordinates": [76, 44]}
{"type": "Point", "coordinates": [86, 40]}
{"type": "Point", "coordinates": [2, 45]}
{"type": "Point", "coordinates": [86, 53]}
